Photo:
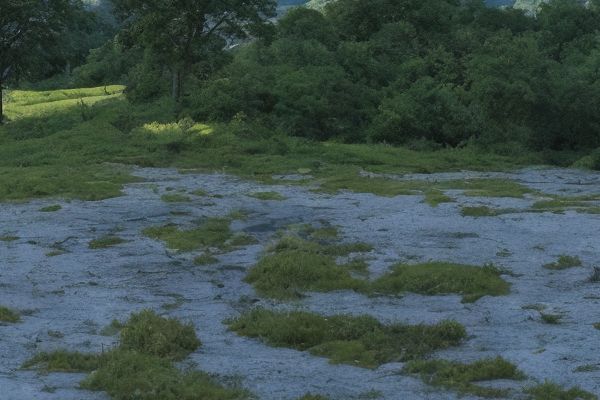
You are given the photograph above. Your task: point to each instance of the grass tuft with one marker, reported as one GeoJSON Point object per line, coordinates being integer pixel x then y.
{"type": "Point", "coordinates": [51, 208]}
{"type": "Point", "coordinates": [461, 377]}
{"type": "Point", "coordinates": [105, 242]}
{"type": "Point", "coordinates": [205, 259]}
{"type": "Point", "coordinates": [434, 278]}
{"type": "Point", "coordinates": [564, 262]}
{"type": "Point", "coordinates": [268, 196]}
{"type": "Point", "coordinates": [9, 238]}
{"type": "Point", "coordinates": [148, 333]}
{"type": "Point", "coordinates": [552, 391]}
{"type": "Point", "coordinates": [214, 232]}
{"type": "Point", "coordinates": [8, 315]}
{"type": "Point", "coordinates": [175, 198]}
{"type": "Point", "coordinates": [64, 361]}
{"type": "Point", "coordinates": [362, 341]}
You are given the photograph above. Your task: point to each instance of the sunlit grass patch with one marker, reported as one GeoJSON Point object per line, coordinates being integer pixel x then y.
{"type": "Point", "coordinates": [64, 361]}
{"type": "Point", "coordinates": [463, 377]}
{"type": "Point", "coordinates": [214, 232]}
{"type": "Point", "coordinates": [564, 261]}
{"type": "Point", "coordinates": [175, 198]}
{"type": "Point", "coordinates": [9, 315]}
{"type": "Point", "coordinates": [52, 208]}
{"type": "Point", "coordinates": [106, 242]}
{"type": "Point", "coordinates": [146, 332]}
{"type": "Point", "coordinates": [127, 375]}
{"type": "Point", "coordinates": [361, 341]}
{"type": "Point", "coordinates": [552, 391]}
{"type": "Point", "coordinates": [267, 196]}
{"type": "Point", "coordinates": [433, 278]}
{"type": "Point", "coordinates": [294, 265]}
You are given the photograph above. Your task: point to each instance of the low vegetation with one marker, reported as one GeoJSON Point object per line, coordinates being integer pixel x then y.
{"type": "Point", "coordinates": [463, 377]}
{"type": "Point", "coordinates": [564, 262]}
{"type": "Point", "coordinates": [362, 341]}
{"type": "Point", "coordinates": [552, 391]}
{"type": "Point", "coordinates": [434, 278]}
{"type": "Point", "coordinates": [106, 242]}
{"type": "Point", "coordinates": [479, 211]}
{"type": "Point", "coordinates": [141, 366]}
{"type": "Point", "coordinates": [213, 232]}
{"type": "Point", "coordinates": [52, 208]}
{"type": "Point", "coordinates": [9, 315]}
{"type": "Point", "coordinates": [175, 198]}
{"type": "Point", "coordinates": [295, 265]}
{"type": "Point", "coordinates": [268, 196]}
{"type": "Point", "coordinates": [9, 238]}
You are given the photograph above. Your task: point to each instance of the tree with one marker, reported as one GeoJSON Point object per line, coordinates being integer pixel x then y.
{"type": "Point", "coordinates": [28, 30]}
{"type": "Point", "coordinates": [182, 32]}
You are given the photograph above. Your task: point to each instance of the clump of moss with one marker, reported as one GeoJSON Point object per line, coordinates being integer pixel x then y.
{"type": "Point", "coordinates": [200, 193]}
{"type": "Point", "coordinates": [553, 319]}
{"type": "Point", "coordinates": [64, 361]}
{"type": "Point", "coordinates": [105, 242]}
{"type": "Point", "coordinates": [52, 208]}
{"type": "Point", "coordinates": [8, 315]}
{"type": "Point", "coordinates": [597, 325]}
{"type": "Point", "coordinates": [434, 278]}
{"type": "Point", "coordinates": [356, 340]}
{"type": "Point", "coordinates": [461, 377]}
{"type": "Point", "coordinates": [205, 259]}
{"type": "Point", "coordinates": [9, 238]}
{"type": "Point", "coordinates": [295, 265]}
{"type": "Point", "coordinates": [127, 375]}
{"type": "Point", "coordinates": [214, 232]}
{"type": "Point", "coordinates": [564, 262]}
{"type": "Point", "coordinates": [175, 198]}
{"type": "Point", "coordinates": [436, 197]}
{"type": "Point", "coordinates": [148, 333]}
{"type": "Point", "coordinates": [268, 196]}
{"type": "Point", "coordinates": [552, 391]}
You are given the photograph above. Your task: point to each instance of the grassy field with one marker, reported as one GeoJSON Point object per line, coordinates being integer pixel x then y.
{"type": "Point", "coordinates": [76, 143]}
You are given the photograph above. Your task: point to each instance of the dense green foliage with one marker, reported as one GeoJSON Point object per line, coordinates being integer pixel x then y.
{"type": "Point", "coordinates": [356, 340]}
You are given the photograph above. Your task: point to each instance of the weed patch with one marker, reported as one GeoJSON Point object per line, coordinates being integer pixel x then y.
{"type": "Point", "coordinates": [214, 232]}
{"type": "Point", "coordinates": [361, 341]}
{"type": "Point", "coordinates": [205, 259]}
{"type": "Point", "coordinates": [552, 391]}
{"type": "Point", "coordinates": [8, 315]}
{"type": "Point", "coordinates": [267, 196]}
{"type": "Point", "coordinates": [64, 361]}
{"type": "Point", "coordinates": [434, 278]}
{"type": "Point", "coordinates": [105, 242]}
{"type": "Point", "coordinates": [462, 377]}
{"type": "Point", "coordinates": [9, 238]}
{"type": "Point", "coordinates": [52, 208]}
{"type": "Point", "coordinates": [564, 262]}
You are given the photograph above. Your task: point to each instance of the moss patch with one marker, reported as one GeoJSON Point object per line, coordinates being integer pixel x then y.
{"type": "Point", "coordinates": [462, 377]}
{"type": "Point", "coordinates": [9, 238]}
{"type": "Point", "coordinates": [552, 391]}
{"type": "Point", "coordinates": [9, 315]}
{"type": "Point", "coordinates": [434, 278]}
{"type": "Point", "coordinates": [362, 341]}
{"type": "Point", "coordinates": [564, 262]}
{"type": "Point", "coordinates": [479, 211]}
{"type": "Point", "coordinates": [175, 198]}
{"type": "Point", "coordinates": [105, 242]}
{"type": "Point", "coordinates": [267, 196]}
{"type": "Point", "coordinates": [213, 232]}
{"type": "Point", "coordinates": [205, 259]}
{"type": "Point", "coordinates": [295, 265]}
{"type": "Point", "coordinates": [64, 361]}
{"type": "Point", "coordinates": [51, 208]}
{"type": "Point", "coordinates": [148, 333]}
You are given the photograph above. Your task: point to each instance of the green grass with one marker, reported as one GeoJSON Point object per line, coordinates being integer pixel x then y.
{"type": "Point", "coordinates": [463, 377]}
{"type": "Point", "coordinates": [9, 238]}
{"type": "Point", "coordinates": [105, 242]}
{"type": "Point", "coordinates": [213, 232]}
{"type": "Point", "coordinates": [564, 262]}
{"type": "Point", "coordinates": [596, 325]}
{"type": "Point", "coordinates": [65, 143]}
{"type": "Point", "coordinates": [205, 259]}
{"type": "Point", "coordinates": [295, 265]}
{"type": "Point", "coordinates": [113, 328]}
{"type": "Point", "coordinates": [435, 197]}
{"type": "Point", "coordinates": [148, 333]}
{"type": "Point", "coordinates": [268, 196]}
{"type": "Point", "coordinates": [64, 361]}
{"type": "Point", "coordinates": [9, 315]}
{"type": "Point", "coordinates": [552, 391]}
{"type": "Point", "coordinates": [242, 239]}
{"type": "Point", "coordinates": [356, 340]}
{"type": "Point", "coordinates": [175, 198]}
{"type": "Point", "coordinates": [552, 319]}
{"type": "Point", "coordinates": [51, 208]}
{"type": "Point", "coordinates": [127, 375]}
{"type": "Point", "coordinates": [435, 278]}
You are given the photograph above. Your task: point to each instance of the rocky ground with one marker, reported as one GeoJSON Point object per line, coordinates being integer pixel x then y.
{"type": "Point", "coordinates": [67, 293]}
